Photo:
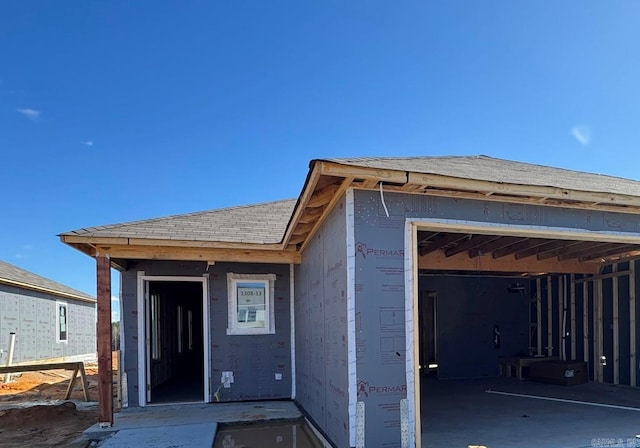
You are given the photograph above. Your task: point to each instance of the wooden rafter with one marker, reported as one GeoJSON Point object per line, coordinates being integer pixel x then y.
{"type": "Point", "coordinates": [471, 243]}
{"type": "Point", "coordinates": [585, 250]}
{"type": "Point", "coordinates": [620, 249]}
{"type": "Point", "coordinates": [518, 247]}
{"type": "Point", "coordinates": [441, 242]}
{"type": "Point", "coordinates": [461, 262]}
{"type": "Point", "coordinates": [336, 197]}
{"type": "Point", "coordinates": [548, 245]}
{"type": "Point", "coordinates": [491, 246]}
{"type": "Point", "coordinates": [562, 248]}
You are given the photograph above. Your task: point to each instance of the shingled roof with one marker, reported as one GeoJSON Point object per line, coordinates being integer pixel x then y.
{"type": "Point", "coordinates": [490, 169]}
{"type": "Point", "coordinates": [255, 224]}
{"type": "Point", "coordinates": [15, 276]}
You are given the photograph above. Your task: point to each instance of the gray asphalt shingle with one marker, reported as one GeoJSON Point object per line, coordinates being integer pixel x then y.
{"type": "Point", "coordinates": [11, 274]}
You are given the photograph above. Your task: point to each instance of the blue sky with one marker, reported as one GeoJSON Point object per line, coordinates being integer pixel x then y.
{"type": "Point", "coordinates": [113, 111]}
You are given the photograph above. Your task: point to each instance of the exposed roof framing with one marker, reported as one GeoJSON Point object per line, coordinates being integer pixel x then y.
{"type": "Point", "coordinates": [279, 231]}
{"type": "Point", "coordinates": [469, 251]}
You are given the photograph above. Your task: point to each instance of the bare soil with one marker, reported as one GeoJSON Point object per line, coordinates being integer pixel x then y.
{"type": "Point", "coordinates": [28, 418]}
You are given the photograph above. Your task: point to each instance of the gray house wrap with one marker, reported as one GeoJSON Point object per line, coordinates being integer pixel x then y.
{"type": "Point", "coordinates": [253, 359]}
{"type": "Point", "coordinates": [28, 309]}
{"type": "Point", "coordinates": [380, 292]}
{"type": "Point", "coordinates": [322, 387]}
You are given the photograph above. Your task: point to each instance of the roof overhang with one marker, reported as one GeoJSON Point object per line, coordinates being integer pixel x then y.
{"type": "Point", "coordinates": [153, 249]}
{"type": "Point", "coordinates": [327, 181]}
{"type": "Point", "coordinates": [53, 292]}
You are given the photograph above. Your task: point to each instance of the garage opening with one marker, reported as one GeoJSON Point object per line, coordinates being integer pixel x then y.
{"type": "Point", "coordinates": [516, 331]}
{"type": "Point", "coordinates": [175, 348]}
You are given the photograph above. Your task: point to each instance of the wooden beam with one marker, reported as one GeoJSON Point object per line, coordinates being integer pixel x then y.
{"type": "Point", "coordinates": [616, 328]}
{"type": "Point", "coordinates": [322, 197]}
{"type": "Point", "coordinates": [441, 242]}
{"type": "Point", "coordinates": [537, 249]}
{"type": "Point", "coordinates": [549, 317]}
{"type": "Point", "coordinates": [554, 252]}
{"type": "Point", "coordinates": [472, 242]}
{"type": "Point", "coordinates": [100, 241]}
{"type": "Point", "coordinates": [307, 191]}
{"type": "Point", "coordinates": [618, 249]}
{"type": "Point", "coordinates": [310, 216]}
{"type": "Point", "coordinates": [461, 262]}
{"type": "Point", "coordinates": [105, 375]}
{"type": "Point", "coordinates": [512, 249]}
{"type": "Point", "coordinates": [632, 322]}
{"type": "Point", "coordinates": [370, 183]}
{"type": "Point", "coordinates": [303, 229]}
{"type": "Point", "coordinates": [357, 172]}
{"type": "Point", "coordinates": [204, 254]}
{"type": "Point", "coordinates": [603, 276]}
{"type": "Point", "coordinates": [327, 210]}
{"type": "Point", "coordinates": [532, 191]}
{"type": "Point", "coordinates": [70, 239]}
{"type": "Point", "coordinates": [572, 310]}
{"type": "Point", "coordinates": [584, 248]}
{"type": "Point", "coordinates": [496, 197]}
{"type": "Point", "coordinates": [494, 245]}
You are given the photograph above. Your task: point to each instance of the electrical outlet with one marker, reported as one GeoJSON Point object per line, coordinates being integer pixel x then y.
{"type": "Point", "coordinates": [278, 376]}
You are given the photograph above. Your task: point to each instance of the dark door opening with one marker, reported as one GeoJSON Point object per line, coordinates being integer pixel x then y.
{"type": "Point", "coordinates": [176, 342]}
{"type": "Point", "coordinates": [428, 333]}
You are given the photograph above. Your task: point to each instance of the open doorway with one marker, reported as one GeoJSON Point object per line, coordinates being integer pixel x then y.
{"type": "Point", "coordinates": [427, 322]}
{"type": "Point", "coordinates": [509, 302]}
{"type": "Point", "coordinates": [175, 341]}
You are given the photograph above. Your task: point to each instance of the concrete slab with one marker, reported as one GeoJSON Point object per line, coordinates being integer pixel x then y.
{"type": "Point", "coordinates": [181, 436]}
{"type": "Point", "coordinates": [462, 413]}
{"type": "Point", "coordinates": [195, 413]}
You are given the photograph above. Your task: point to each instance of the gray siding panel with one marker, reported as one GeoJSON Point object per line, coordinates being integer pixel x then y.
{"type": "Point", "coordinates": [380, 281]}
{"type": "Point", "coordinates": [32, 316]}
{"type": "Point", "coordinates": [321, 329]}
{"type": "Point", "coordinates": [254, 359]}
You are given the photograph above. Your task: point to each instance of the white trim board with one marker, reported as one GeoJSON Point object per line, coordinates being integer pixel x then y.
{"type": "Point", "coordinates": [351, 315]}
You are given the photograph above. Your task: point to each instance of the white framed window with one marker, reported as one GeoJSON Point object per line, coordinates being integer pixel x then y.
{"type": "Point", "coordinates": [251, 304]}
{"type": "Point", "coordinates": [62, 322]}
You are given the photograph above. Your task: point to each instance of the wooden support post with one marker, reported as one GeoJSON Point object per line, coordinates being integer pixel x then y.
{"type": "Point", "coordinates": [549, 317]}
{"type": "Point", "coordinates": [616, 328]}
{"type": "Point", "coordinates": [585, 321]}
{"type": "Point", "coordinates": [539, 316]}
{"type": "Point", "coordinates": [105, 386]}
{"type": "Point", "coordinates": [572, 305]}
{"type": "Point", "coordinates": [632, 322]}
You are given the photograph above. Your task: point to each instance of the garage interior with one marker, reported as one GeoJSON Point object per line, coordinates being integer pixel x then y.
{"type": "Point", "coordinates": [176, 349]}
{"type": "Point", "coordinates": [559, 313]}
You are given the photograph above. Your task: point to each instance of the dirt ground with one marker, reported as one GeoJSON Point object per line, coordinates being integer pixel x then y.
{"type": "Point", "coordinates": [43, 423]}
